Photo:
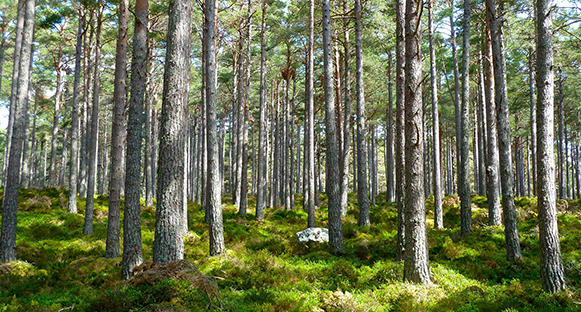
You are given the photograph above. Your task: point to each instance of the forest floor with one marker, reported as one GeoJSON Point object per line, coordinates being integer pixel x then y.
{"type": "Point", "coordinates": [266, 269]}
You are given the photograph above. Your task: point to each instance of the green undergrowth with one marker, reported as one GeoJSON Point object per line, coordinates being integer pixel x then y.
{"type": "Point", "coordinates": [266, 269]}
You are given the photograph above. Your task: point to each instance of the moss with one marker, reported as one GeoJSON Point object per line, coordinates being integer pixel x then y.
{"type": "Point", "coordinates": [266, 269]}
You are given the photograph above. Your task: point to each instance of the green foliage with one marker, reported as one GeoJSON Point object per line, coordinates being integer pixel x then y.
{"type": "Point", "coordinates": [266, 269]}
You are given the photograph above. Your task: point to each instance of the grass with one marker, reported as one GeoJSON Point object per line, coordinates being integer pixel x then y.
{"type": "Point", "coordinates": [266, 269]}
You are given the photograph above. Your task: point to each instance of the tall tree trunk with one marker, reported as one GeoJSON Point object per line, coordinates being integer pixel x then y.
{"type": "Point", "coordinates": [132, 251]}
{"type": "Point", "coordinates": [438, 212]}
{"type": "Point", "coordinates": [482, 141]}
{"type": "Point", "coordinates": [118, 133]}
{"type": "Point", "coordinates": [416, 268]}
{"type": "Point", "coordinates": [21, 7]}
{"type": "Point", "coordinates": [94, 138]}
{"type": "Point", "coordinates": [533, 120]}
{"type": "Point", "coordinates": [151, 90]}
{"type": "Point", "coordinates": [561, 137]}
{"type": "Point", "coordinates": [55, 126]}
{"type": "Point", "coordinates": [457, 107]}
{"type": "Point", "coordinates": [262, 192]}
{"type": "Point", "coordinates": [400, 126]}
{"type": "Point", "coordinates": [492, 167]}
{"type": "Point", "coordinates": [214, 203]}
{"type": "Point", "coordinates": [551, 264]}
{"type": "Point", "coordinates": [464, 134]}
{"type": "Point", "coordinates": [362, 186]}
{"type": "Point", "coordinates": [310, 193]}
{"type": "Point", "coordinates": [168, 244]}
{"type": "Point", "coordinates": [74, 170]}
{"type": "Point", "coordinates": [87, 42]}
{"type": "Point", "coordinates": [503, 126]}
{"type": "Point", "coordinates": [389, 161]}
{"type": "Point", "coordinates": [332, 168]}
{"type": "Point", "coordinates": [20, 107]}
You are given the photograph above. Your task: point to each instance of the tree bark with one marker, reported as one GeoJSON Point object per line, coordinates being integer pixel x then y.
{"type": "Point", "coordinates": [464, 134]}
{"type": "Point", "coordinates": [400, 127]}
{"type": "Point", "coordinates": [332, 163]}
{"type": "Point", "coordinates": [561, 137]}
{"type": "Point", "coordinates": [533, 121]}
{"type": "Point", "coordinates": [503, 127]}
{"type": "Point", "coordinates": [55, 121]}
{"type": "Point", "coordinates": [20, 112]}
{"type": "Point", "coordinates": [492, 169]}
{"type": "Point", "coordinates": [18, 37]}
{"type": "Point", "coordinates": [389, 161]}
{"type": "Point", "coordinates": [94, 137]}
{"type": "Point", "coordinates": [310, 193]}
{"type": "Point", "coordinates": [117, 134]}
{"type": "Point", "coordinates": [416, 268]}
{"type": "Point", "coordinates": [168, 243]}
{"type": "Point", "coordinates": [262, 192]}
{"type": "Point", "coordinates": [438, 212]}
{"type": "Point", "coordinates": [213, 189]}
{"type": "Point", "coordinates": [551, 264]}
{"type": "Point", "coordinates": [132, 253]}
{"type": "Point", "coordinates": [74, 170]}
{"type": "Point", "coordinates": [362, 186]}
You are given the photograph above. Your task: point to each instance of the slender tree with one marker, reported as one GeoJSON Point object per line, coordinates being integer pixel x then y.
{"type": "Point", "coordinates": [464, 134]}
{"type": "Point", "coordinates": [492, 170]}
{"type": "Point", "coordinates": [416, 268]}
{"type": "Point", "coordinates": [400, 126]}
{"type": "Point", "coordinates": [74, 170]}
{"type": "Point", "coordinates": [332, 168]}
{"type": "Point", "coordinates": [438, 213]}
{"type": "Point", "coordinates": [551, 264]}
{"type": "Point", "coordinates": [20, 112]}
{"type": "Point", "coordinates": [20, 17]}
{"type": "Point", "coordinates": [58, 66]}
{"type": "Point", "coordinates": [214, 201]}
{"type": "Point", "coordinates": [362, 185]}
{"type": "Point", "coordinates": [503, 127]}
{"type": "Point", "coordinates": [310, 193]}
{"type": "Point", "coordinates": [117, 134]}
{"type": "Point", "coordinates": [132, 253]}
{"type": "Point", "coordinates": [262, 194]}
{"type": "Point", "coordinates": [94, 137]}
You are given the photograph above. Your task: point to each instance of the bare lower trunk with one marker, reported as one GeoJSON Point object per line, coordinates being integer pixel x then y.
{"type": "Point", "coordinates": [94, 138]}
{"type": "Point", "coordinates": [55, 123]}
{"type": "Point", "coordinates": [262, 192]}
{"type": "Point", "coordinates": [464, 134]}
{"type": "Point", "coordinates": [21, 6]}
{"type": "Point", "coordinates": [438, 213]}
{"type": "Point", "coordinates": [214, 201]}
{"type": "Point", "coordinates": [20, 107]}
{"type": "Point", "coordinates": [74, 170]}
{"type": "Point", "coordinates": [332, 168]}
{"type": "Point", "coordinates": [416, 268]}
{"type": "Point", "coordinates": [399, 127]}
{"type": "Point", "coordinates": [310, 125]}
{"type": "Point", "coordinates": [168, 243]}
{"type": "Point", "coordinates": [492, 169]}
{"type": "Point", "coordinates": [362, 186]}
{"type": "Point", "coordinates": [503, 126]}
{"type": "Point", "coordinates": [117, 135]}
{"type": "Point", "coordinates": [551, 263]}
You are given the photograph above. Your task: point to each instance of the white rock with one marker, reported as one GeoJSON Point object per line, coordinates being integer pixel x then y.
{"type": "Point", "coordinates": [313, 235]}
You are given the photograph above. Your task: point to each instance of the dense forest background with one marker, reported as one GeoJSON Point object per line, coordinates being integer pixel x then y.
{"type": "Point", "coordinates": [163, 155]}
